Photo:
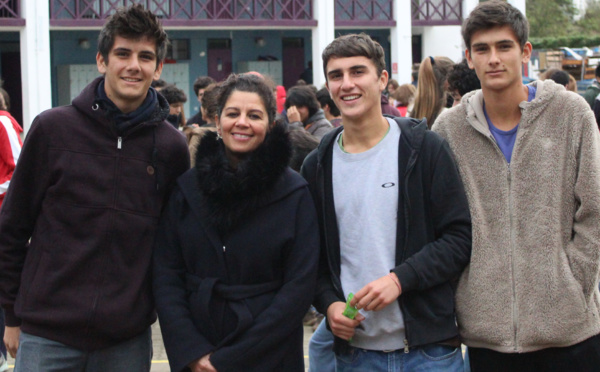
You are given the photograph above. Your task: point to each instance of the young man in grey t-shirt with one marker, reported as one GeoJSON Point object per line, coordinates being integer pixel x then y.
{"type": "Point", "coordinates": [394, 222]}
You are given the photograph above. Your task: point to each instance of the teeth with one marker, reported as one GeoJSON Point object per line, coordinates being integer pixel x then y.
{"type": "Point", "coordinates": [348, 98]}
{"type": "Point", "coordinates": [132, 80]}
{"type": "Point", "coordinates": [241, 135]}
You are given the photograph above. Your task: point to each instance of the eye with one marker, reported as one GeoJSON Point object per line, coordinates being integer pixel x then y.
{"type": "Point", "coordinates": [334, 76]}
{"type": "Point", "coordinates": [255, 116]}
{"type": "Point", "coordinates": [358, 72]}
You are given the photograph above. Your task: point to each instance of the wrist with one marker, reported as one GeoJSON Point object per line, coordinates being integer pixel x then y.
{"type": "Point", "coordinates": [396, 281]}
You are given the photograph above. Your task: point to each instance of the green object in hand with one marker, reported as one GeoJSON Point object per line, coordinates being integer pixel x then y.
{"type": "Point", "coordinates": [350, 311]}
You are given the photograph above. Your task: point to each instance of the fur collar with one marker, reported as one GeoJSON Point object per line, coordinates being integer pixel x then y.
{"type": "Point", "coordinates": [234, 193]}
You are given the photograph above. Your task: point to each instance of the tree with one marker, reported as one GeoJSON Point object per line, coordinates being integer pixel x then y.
{"type": "Point", "coordinates": [550, 17]}
{"type": "Point", "coordinates": [588, 24]}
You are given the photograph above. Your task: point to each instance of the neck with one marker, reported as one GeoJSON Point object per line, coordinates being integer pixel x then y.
{"type": "Point", "coordinates": [362, 136]}
{"type": "Point", "coordinates": [503, 108]}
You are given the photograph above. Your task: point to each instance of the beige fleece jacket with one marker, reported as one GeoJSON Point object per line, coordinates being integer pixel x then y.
{"type": "Point", "coordinates": [533, 278]}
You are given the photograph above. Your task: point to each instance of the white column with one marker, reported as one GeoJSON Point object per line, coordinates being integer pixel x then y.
{"type": "Point", "coordinates": [35, 60]}
{"type": "Point", "coordinates": [401, 43]}
{"type": "Point", "coordinates": [322, 35]}
{"type": "Point", "coordinates": [443, 41]}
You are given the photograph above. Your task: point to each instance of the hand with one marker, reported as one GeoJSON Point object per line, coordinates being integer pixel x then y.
{"type": "Point", "coordinates": [340, 325]}
{"type": "Point", "coordinates": [377, 294]}
{"type": "Point", "coordinates": [11, 340]}
{"type": "Point", "coordinates": [293, 114]}
{"type": "Point", "coordinates": [202, 365]}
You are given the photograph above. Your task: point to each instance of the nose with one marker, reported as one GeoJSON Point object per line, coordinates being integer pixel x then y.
{"type": "Point", "coordinates": [347, 82]}
{"type": "Point", "coordinates": [133, 63]}
{"type": "Point", "coordinates": [242, 120]}
{"type": "Point", "coordinates": [494, 56]}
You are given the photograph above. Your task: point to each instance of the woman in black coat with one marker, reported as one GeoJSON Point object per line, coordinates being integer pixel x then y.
{"type": "Point", "coordinates": [236, 252]}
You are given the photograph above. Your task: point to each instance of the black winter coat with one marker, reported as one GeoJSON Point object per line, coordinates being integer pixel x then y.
{"type": "Point", "coordinates": [236, 261]}
{"type": "Point", "coordinates": [433, 234]}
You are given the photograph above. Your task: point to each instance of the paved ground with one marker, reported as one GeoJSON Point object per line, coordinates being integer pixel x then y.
{"type": "Point", "coordinates": [160, 362]}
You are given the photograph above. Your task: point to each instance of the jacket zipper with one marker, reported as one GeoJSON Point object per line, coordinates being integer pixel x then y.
{"type": "Point", "coordinates": [515, 309]}
{"type": "Point", "coordinates": [119, 142]}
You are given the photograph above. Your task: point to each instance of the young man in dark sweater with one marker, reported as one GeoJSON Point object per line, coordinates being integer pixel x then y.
{"type": "Point", "coordinates": [77, 224]}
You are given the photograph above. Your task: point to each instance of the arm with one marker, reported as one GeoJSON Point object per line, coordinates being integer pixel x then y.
{"type": "Point", "coordinates": [9, 153]}
{"type": "Point", "coordinates": [271, 328]}
{"type": "Point", "coordinates": [19, 212]}
{"type": "Point", "coordinates": [183, 342]}
{"type": "Point", "coordinates": [583, 249]}
{"type": "Point", "coordinates": [444, 258]}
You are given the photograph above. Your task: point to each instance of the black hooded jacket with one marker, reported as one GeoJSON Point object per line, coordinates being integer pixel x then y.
{"type": "Point", "coordinates": [235, 261]}
{"type": "Point", "coordinates": [77, 226]}
{"type": "Point", "coordinates": [433, 233]}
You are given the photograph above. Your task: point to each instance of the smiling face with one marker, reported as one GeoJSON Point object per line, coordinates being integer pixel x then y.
{"type": "Point", "coordinates": [243, 124]}
{"type": "Point", "coordinates": [355, 87]}
{"type": "Point", "coordinates": [128, 71]}
{"type": "Point", "coordinates": [497, 58]}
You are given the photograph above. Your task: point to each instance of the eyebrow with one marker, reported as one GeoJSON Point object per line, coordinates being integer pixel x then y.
{"type": "Point", "coordinates": [353, 68]}
{"type": "Point", "coordinates": [145, 52]}
{"type": "Point", "coordinates": [504, 41]}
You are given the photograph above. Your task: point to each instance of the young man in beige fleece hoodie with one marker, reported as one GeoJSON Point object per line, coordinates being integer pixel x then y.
{"type": "Point", "coordinates": [529, 156]}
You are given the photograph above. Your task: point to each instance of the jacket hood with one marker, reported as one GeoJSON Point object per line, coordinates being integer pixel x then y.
{"type": "Point", "coordinates": [546, 91]}
{"type": "Point", "coordinates": [235, 193]}
{"type": "Point", "coordinates": [85, 102]}
{"type": "Point", "coordinates": [319, 115]}
{"type": "Point", "coordinates": [412, 133]}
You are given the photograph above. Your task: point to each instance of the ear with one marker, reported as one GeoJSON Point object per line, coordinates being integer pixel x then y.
{"type": "Point", "coordinates": [101, 63]}
{"type": "Point", "coordinates": [468, 57]}
{"type": "Point", "coordinates": [158, 71]}
{"type": "Point", "coordinates": [383, 80]}
{"type": "Point", "coordinates": [526, 55]}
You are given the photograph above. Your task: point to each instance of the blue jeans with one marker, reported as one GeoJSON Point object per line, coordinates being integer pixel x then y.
{"type": "Point", "coordinates": [429, 358]}
{"type": "Point", "coordinates": [320, 350]}
{"type": "Point", "coordinates": [38, 354]}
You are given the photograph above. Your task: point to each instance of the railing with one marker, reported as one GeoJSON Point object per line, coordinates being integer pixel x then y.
{"type": "Point", "coordinates": [436, 12]}
{"type": "Point", "coordinates": [235, 13]}
{"type": "Point", "coordinates": [364, 13]}
{"type": "Point", "coordinates": [10, 13]}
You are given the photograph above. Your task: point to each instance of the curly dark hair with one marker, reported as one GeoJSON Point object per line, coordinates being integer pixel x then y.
{"type": "Point", "coordinates": [247, 83]}
{"type": "Point", "coordinates": [463, 79]}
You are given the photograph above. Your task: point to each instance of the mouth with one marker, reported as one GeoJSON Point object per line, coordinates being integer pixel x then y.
{"type": "Point", "coordinates": [241, 136]}
{"type": "Point", "coordinates": [351, 98]}
{"type": "Point", "coordinates": [131, 80]}
{"type": "Point", "coordinates": [495, 72]}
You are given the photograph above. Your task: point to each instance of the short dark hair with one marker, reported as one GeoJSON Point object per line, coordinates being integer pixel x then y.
{"type": "Point", "coordinates": [209, 100]}
{"type": "Point", "coordinates": [324, 98]}
{"type": "Point", "coordinates": [302, 144]}
{"type": "Point", "coordinates": [560, 77]}
{"type": "Point", "coordinates": [462, 78]}
{"type": "Point", "coordinates": [302, 96]}
{"type": "Point", "coordinates": [202, 82]}
{"type": "Point", "coordinates": [158, 84]}
{"type": "Point", "coordinates": [598, 70]}
{"type": "Point", "coordinates": [134, 23]}
{"type": "Point", "coordinates": [247, 83]}
{"type": "Point", "coordinates": [495, 13]}
{"type": "Point", "coordinates": [173, 94]}
{"type": "Point", "coordinates": [353, 45]}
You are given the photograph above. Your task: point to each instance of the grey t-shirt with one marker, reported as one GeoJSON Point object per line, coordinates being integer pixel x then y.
{"type": "Point", "coordinates": [365, 189]}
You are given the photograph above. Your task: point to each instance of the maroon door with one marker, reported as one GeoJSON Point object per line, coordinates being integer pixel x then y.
{"type": "Point", "coordinates": [293, 61]}
{"type": "Point", "coordinates": [219, 58]}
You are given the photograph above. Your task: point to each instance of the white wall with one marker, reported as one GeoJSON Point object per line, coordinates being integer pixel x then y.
{"type": "Point", "coordinates": [443, 41]}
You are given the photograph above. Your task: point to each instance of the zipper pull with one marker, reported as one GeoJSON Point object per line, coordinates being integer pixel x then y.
{"type": "Point", "coordinates": [223, 249]}
{"type": "Point", "coordinates": [119, 142]}
{"type": "Point", "coordinates": [406, 346]}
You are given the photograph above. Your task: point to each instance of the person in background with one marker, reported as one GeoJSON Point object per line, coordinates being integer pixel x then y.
{"type": "Point", "coordinates": [593, 90]}
{"type": "Point", "coordinates": [10, 149]}
{"type": "Point", "coordinates": [200, 85]}
{"type": "Point", "coordinates": [235, 260]}
{"type": "Point", "coordinates": [391, 88]}
{"type": "Point", "coordinates": [387, 108]}
{"type": "Point", "coordinates": [394, 223]}
{"type": "Point", "coordinates": [209, 105]}
{"type": "Point", "coordinates": [430, 100]}
{"type": "Point", "coordinates": [461, 80]}
{"type": "Point", "coordinates": [560, 77]}
{"type": "Point", "coordinates": [404, 97]}
{"type": "Point", "coordinates": [304, 111]}
{"type": "Point", "coordinates": [307, 74]}
{"type": "Point", "coordinates": [332, 113]}
{"type": "Point", "coordinates": [529, 157]}
{"type": "Point", "coordinates": [76, 244]}
{"type": "Point", "coordinates": [176, 98]}
{"type": "Point", "coordinates": [280, 96]}
{"type": "Point", "coordinates": [158, 84]}
{"type": "Point", "coordinates": [572, 86]}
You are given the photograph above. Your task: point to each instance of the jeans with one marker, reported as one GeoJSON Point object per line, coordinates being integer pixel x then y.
{"type": "Point", "coordinates": [320, 350]}
{"type": "Point", "coordinates": [581, 357]}
{"type": "Point", "coordinates": [38, 354]}
{"type": "Point", "coordinates": [429, 358]}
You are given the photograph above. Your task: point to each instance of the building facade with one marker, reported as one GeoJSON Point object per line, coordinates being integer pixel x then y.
{"type": "Point", "coordinates": [48, 47]}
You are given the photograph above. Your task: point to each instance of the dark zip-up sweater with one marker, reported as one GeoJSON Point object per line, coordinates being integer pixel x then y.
{"type": "Point", "coordinates": [433, 242]}
{"type": "Point", "coordinates": [77, 226]}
